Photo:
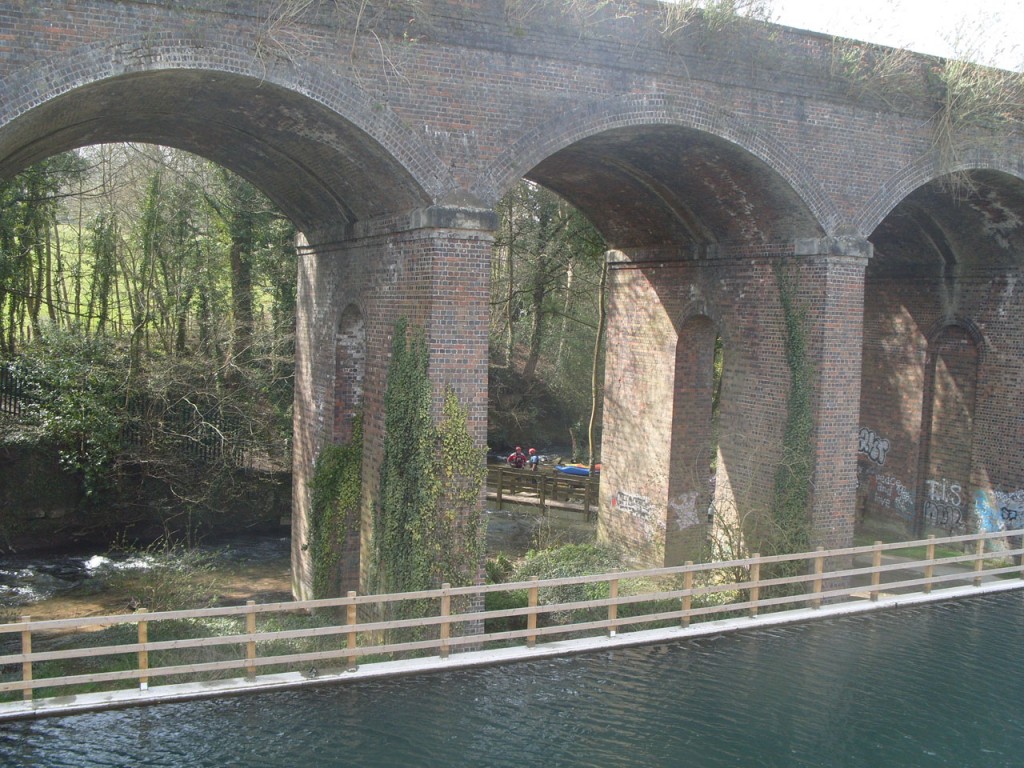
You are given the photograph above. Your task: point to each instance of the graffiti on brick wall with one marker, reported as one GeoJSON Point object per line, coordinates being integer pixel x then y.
{"type": "Point", "coordinates": [1000, 510]}
{"type": "Point", "coordinates": [683, 510]}
{"type": "Point", "coordinates": [644, 514]}
{"type": "Point", "coordinates": [944, 505]}
{"type": "Point", "coordinates": [873, 445]}
{"type": "Point", "coordinates": [890, 493]}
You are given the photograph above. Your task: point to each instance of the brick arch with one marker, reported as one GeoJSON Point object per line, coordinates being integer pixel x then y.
{"type": "Point", "coordinates": [633, 110]}
{"type": "Point", "coordinates": [929, 167]}
{"type": "Point", "coordinates": [328, 154]}
{"type": "Point", "coordinates": [962, 324]}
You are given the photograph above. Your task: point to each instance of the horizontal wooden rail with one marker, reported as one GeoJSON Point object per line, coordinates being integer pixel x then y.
{"type": "Point", "coordinates": [348, 630]}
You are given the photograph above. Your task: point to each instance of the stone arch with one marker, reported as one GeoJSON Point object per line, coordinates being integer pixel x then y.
{"type": "Point", "coordinates": [321, 148]}
{"type": "Point", "coordinates": [349, 371]}
{"type": "Point", "coordinates": [652, 110]}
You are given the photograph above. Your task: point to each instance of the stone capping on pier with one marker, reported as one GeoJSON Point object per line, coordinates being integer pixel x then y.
{"type": "Point", "coordinates": [828, 584]}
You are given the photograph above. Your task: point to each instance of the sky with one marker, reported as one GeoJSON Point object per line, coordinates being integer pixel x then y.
{"type": "Point", "coordinates": [985, 31]}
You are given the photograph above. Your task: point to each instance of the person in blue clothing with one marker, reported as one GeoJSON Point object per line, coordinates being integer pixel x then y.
{"type": "Point", "coordinates": [534, 460]}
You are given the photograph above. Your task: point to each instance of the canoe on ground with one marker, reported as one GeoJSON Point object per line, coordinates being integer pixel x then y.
{"type": "Point", "coordinates": [576, 469]}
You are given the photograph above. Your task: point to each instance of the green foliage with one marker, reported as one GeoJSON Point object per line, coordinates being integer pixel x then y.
{"type": "Point", "coordinates": [455, 542]}
{"type": "Point", "coordinates": [178, 418]}
{"type": "Point", "coordinates": [29, 210]}
{"type": "Point", "coordinates": [155, 314]}
{"type": "Point", "coordinates": [498, 570]}
{"type": "Point", "coordinates": [545, 311]}
{"type": "Point", "coordinates": [426, 523]}
{"type": "Point", "coordinates": [408, 495]}
{"type": "Point", "coordinates": [76, 387]}
{"type": "Point", "coordinates": [551, 563]}
{"type": "Point", "coordinates": [569, 560]}
{"type": "Point", "coordinates": [791, 527]}
{"type": "Point", "coordinates": [336, 491]}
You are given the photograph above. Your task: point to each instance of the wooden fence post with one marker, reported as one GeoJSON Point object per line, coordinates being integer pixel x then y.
{"type": "Point", "coordinates": [876, 575]}
{"type": "Point", "coordinates": [929, 570]}
{"type": "Point", "coordinates": [26, 666]}
{"type": "Point", "coordinates": [819, 568]}
{"type": "Point", "coordinates": [446, 611]}
{"type": "Point", "coordinates": [979, 563]}
{"type": "Point", "coordinates": [501, 484]}
{"type": "Point", "coordinates": [687, 598]}
{"type": "Point", "coordinates": [613, 608]}
{"type": "Point", "coordinates": [351, 621]}
{"type": "Point", "coordinates": [143, 652]}
{"type": "Point", "coordinates": [531, 618]}
{"type": "Point", "coordinates": [755, 587]}
{"type": "Point", "coordinates": [541, 488]}
{"type": "Point", "coordinates": [250, 646]}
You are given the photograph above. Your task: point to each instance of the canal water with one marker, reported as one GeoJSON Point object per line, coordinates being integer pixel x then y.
{"type": "Point", "coordinates": [936, 685]}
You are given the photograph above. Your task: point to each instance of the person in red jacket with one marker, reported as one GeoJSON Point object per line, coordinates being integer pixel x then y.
{"type": "Point", "coordinates": [517, 458]}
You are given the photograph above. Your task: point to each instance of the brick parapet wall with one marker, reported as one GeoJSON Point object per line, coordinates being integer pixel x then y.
{"type": "Point", "coordinates": [473, 102]}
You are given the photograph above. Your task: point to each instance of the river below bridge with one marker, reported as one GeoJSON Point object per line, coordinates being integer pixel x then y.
{"type": "Point", "coordinates": [229, 571]}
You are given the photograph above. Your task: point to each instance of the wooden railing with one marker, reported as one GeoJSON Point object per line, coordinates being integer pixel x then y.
{"type": "Point", "coordinates": [545, 488]}
{"type": "Point", "coordinates": [63, 656]}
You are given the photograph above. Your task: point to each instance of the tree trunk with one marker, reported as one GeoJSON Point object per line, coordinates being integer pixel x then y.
{"type": "Point", "coordinates": [595, 385]}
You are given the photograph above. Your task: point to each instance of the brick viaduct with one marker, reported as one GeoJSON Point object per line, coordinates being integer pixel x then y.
{"type": "Point", "coordinates": [734, 172]}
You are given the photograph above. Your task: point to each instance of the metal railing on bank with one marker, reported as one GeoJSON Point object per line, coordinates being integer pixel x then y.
{"type": "Point", "coordinates": [323, 638]}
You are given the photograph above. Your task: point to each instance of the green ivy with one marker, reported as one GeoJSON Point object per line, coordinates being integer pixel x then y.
{"type": "Point", "coordinates": [76, 386]}
{"type": "Point", "coordinates": [336, 491]}
{"type": "Point", "coordinates": [791, 530]}
{"type": "Point", "coordinates": [426, 526]}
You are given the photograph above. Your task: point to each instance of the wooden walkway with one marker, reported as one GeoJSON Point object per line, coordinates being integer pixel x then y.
{"type": "Point", "coordinates": [545, 488]}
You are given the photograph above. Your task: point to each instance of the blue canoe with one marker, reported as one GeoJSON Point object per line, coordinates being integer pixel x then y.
{"type": "Point", "coordinates": [576, 469]}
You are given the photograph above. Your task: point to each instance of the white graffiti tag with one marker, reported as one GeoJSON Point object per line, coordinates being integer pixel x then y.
{"type": "Point", "coordinates": [684, 510]}
{"type": "Point", "coordinates": [892, 494]}
{"type": "Point", "coordinates": [944, 505]}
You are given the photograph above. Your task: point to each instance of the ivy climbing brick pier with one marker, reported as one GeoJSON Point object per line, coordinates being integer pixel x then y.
{"type": "Point", "coordinates": [845, 224]}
